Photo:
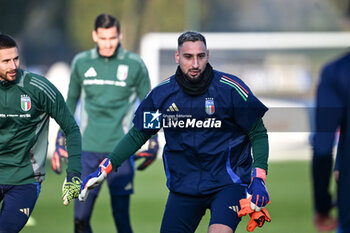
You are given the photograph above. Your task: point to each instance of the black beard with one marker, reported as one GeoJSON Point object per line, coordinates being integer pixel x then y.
{"type": "Point", "coordinates": [194, 86]}
{"type": "Point", "coordinates": [194, 80]}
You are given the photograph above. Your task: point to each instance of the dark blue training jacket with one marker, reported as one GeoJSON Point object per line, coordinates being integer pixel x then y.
{"type": "Point", "coordinates": [333, 112]}
{"type": "Point", "coordinates": [207, 146]}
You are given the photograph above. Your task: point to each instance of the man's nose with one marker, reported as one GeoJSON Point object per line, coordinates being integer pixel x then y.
{"type": "Point", "coordinates": [195, 63]}
{"type": "Point", "coordinates": [13, 64]}
{"type": "Point", "coordinates": [108, 44]}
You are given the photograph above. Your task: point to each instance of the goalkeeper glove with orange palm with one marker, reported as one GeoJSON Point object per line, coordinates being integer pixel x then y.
{"type": "Point", "coordinates": [257, 218]}
{"type": "Point", "coordinates": [149, 155]}
{"type": "Point", "coordinates": [60, 153]}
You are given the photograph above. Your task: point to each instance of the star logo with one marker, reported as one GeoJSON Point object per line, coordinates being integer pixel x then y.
{"type": "Point", "coordinates": [151, 120]}
{"type": "Point", "coordinates": [156, 116]}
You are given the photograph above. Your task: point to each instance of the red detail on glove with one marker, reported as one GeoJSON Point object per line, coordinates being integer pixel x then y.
{"type": "Point", "coordinates": [106, 167]}
{"type": "Point", "coordinates": [257, 218]}
{"type": "Point", "coordinates": [63, 153]}
{"type": "Point", "coordinates": [56, 163]}
{"type": "Point", "coordinates": [245, 207]}
{"type": "Point", "coordinates": [59, 155]}
{"type": "Point", "coordinates": [144, 154]}
{"type": "Point", "coordinates": [148, 157]}
{"type": "Point", "coordinates": [259, 172]}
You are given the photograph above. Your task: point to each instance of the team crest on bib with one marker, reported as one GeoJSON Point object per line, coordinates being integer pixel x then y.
{"type": "Point", "coordinates": [122, 72]}
{"type": "Point", "coordinates": [209, 106]}
{"type": "Point", "coordinates": [26, 103]}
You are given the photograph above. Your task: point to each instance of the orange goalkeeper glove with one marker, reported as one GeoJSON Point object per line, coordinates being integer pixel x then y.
{"type": "Point", "coordinates": [60, 153]}
{"type": "Point", "coordinates": [149, 155]}
{"type": "Point", "coordinates": [257, 218]}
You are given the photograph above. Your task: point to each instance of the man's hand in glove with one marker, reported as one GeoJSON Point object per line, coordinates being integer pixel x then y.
{"type": "Point", "coordinates": [257, 189]}
{"type": "Point", "coordinates": [71, 187]}
{"type": "Point", "coordinates": [95, 178]}
{"type": "Point", "coordinates": [149, 155]}
{"type": "Point", "coordinates": [60, 153]}
{"type": "Point", "coordinates": [257, 218]}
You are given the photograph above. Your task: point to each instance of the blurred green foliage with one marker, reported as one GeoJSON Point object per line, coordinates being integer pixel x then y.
{"type": "Point", "coordinates": [51, 30]}
{"type": "Point", "coordinates": [136, 16]}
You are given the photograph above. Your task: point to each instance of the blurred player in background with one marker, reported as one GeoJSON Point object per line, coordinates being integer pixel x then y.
{"type": "Point", "coordinates": [211, 120]}
{"type": "Point", "coordinates": [27, 101]}
{"type": "Point", "coordinates": [108, 80]}
{"type": "Point", "coordinates": [332, 113]}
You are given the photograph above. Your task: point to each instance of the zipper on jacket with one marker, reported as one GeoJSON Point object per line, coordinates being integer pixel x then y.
{"type": "Point", "coordinates": [195, 154]}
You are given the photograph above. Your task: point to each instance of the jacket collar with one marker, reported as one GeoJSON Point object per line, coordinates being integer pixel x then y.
{"type": "Point", "coordinates": [115, 54]}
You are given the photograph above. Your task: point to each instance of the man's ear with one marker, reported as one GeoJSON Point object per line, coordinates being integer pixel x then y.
{"type": "Point", "coordinates": [94, 36]}
{"type": "Point", "coordinates": [177, 57]}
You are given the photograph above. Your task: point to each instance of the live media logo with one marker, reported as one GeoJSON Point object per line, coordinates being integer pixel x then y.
{"type": "Point", "coordinates": [151, 120]}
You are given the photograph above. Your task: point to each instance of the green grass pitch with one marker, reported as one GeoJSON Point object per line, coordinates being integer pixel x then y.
{"type": "Point", "coordinates": [289, 185]}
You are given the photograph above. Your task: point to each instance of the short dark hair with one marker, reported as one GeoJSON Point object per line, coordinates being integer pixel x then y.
{"type": "Point", "coordinates": [190, 36]}
{"type": "Point", "coordinates": [7, 42]}
{"type": "Point", "coordinates": [107, 21]}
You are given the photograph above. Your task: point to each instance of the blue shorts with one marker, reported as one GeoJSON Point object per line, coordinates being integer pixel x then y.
{"type": "Point", "coordinates": [119, 183]}
{"type": "Point", "coordinates": [183, 212]}
{"type": "Point", "coordinates": [18, 204]}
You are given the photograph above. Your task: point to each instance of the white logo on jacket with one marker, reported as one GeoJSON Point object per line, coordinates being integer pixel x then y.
{"type": "Point", "coordinates": [91, 72]}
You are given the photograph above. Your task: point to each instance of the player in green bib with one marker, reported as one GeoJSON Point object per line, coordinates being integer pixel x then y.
{"type": "Point", "coordinates": [27, 101]}
{"type": "Point", "coordinates": [108, 80]}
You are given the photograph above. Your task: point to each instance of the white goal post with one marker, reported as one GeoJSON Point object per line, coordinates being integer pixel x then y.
{"type": "Point", "coordinates": [285, 144]}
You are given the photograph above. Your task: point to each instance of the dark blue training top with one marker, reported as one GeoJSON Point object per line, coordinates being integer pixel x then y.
{"type": "Point", "coordinates": [207, 146]}
{"type": "Point", "coordinates": [333, 112]}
